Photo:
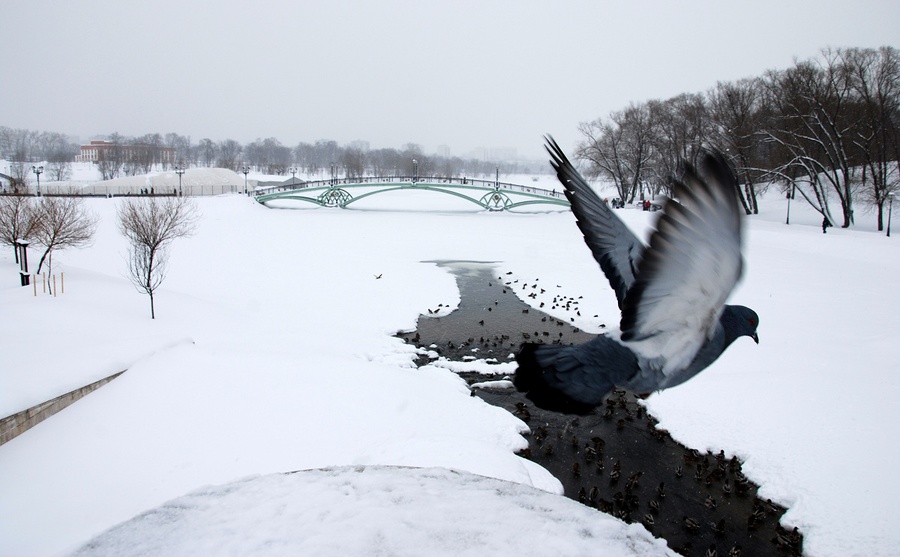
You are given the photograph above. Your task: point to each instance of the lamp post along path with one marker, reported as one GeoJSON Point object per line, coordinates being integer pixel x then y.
{"type": "Point", "coordinates": [790, 194]}
{"type": "Point", "coordinates": [180, 172]}
{"type": "Point", "coordinates": [37, 172]}
{"type": "Point", "coordinates": [890, 213]}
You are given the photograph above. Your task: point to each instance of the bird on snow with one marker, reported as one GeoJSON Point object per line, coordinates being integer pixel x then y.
{"type": "Point", "coordinates": [671, 294]}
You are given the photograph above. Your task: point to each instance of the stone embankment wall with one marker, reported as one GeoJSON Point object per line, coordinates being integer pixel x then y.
{"type": "Point", "coordinates": [17, 424]}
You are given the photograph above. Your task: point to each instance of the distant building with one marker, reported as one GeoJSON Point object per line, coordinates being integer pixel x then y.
{"type": "Point", "coordinates": [104, 150]}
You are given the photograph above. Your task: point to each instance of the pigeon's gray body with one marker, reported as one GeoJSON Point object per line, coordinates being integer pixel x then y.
{"type": "Point", "coordinates": [672, 293]}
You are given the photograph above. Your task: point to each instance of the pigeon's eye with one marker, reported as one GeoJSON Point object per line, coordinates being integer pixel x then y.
{"type": "Point", "coordinates": [752, 321]}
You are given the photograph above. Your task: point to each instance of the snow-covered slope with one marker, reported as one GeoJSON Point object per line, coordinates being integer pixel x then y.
{"type": "Point", "coordinates": [273, 352]}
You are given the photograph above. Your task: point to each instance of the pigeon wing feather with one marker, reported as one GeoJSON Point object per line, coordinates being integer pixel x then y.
{"type": "Point", "coordinates": [612, 244]}
{"type": "Point", "coordinates": [688, 271]}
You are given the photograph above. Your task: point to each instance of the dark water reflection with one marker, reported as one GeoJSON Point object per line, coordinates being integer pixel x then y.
{"type": "Point", "coordinates": [614, 459]}
{"type": "Point", "coordinates": [491, 321]}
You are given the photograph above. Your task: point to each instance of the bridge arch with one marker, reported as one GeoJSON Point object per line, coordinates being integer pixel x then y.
{"type": "Point", "coordinates": [489, 195]}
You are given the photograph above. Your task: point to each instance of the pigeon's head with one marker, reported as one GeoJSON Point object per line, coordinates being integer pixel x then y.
{"type": "Point", "coordinates": [739, 321]}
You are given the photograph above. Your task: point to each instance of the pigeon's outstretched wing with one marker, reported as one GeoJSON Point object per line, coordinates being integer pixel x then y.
{"type": "Point", "coordinates": [674, 319]}
{"type": "Point", "coordinates": [685, 275]}
{"type": "Point", "coordinates": [612, 244]}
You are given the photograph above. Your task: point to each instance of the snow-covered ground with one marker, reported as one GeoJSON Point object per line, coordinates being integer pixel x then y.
{"type": "Point", "coordinates": [273, 352]}
{"type": "Point", "coordinates": [374, 511]}
{"type": "Point", "coordinates": [84, 178]}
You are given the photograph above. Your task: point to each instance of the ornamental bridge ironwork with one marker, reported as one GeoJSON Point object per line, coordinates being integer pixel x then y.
{"type": "Point", "coordinates": [491, 195]}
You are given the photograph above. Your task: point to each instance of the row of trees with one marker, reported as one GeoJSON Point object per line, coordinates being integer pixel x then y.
{"type": "Point", "coordinates": [828, 128]}
{"type": "Point", "coordinates": [21, 147]}
{"type": "Point", "coordinates": [350, 161]}
{"type": "Point", "coordinates": [138, 155]}
{"type": "Point", "coordinates": [353, 162]}
{"type": "Point", "coordinates": [150, 224]}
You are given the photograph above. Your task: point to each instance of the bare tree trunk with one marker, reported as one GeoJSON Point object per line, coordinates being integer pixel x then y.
{"type": "Point", "coordinates": [41, 262]}
{"type": "Point", "coordinates": [150, 225]}
{"type": "Point", "coordinates": [743, 200]}
{"type": "Point", "coordinates": [149, 285]}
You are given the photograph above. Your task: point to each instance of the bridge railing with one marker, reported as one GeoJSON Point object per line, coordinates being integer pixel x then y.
{"type": "Point", "coordinates": [462, 181]}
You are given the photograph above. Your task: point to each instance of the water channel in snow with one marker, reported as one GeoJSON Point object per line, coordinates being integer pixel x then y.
{"type": "Point", "coordinates": [615, 458]}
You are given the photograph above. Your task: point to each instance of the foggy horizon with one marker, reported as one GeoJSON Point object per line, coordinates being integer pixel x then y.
{"type": "Point", "coordinates": [467, 75]}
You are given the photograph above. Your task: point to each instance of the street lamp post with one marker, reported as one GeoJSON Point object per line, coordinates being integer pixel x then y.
{"type": "Point", "coordinates": [890, 212]}
{"type": "Point", "coordinates": [37, 172]}
{"type": "Point", "coordinates": [497, 179]}
{"type": "Point", "coordinates": [180, 172]}
{"type": "Point", "coordinates": [245, 170]}
{"type": "Point", "coordinates": [415, 170]}
{"type": "Point", "coordinates": [293, 174]}
{"type": "Point", "coordinates": [790, 194]}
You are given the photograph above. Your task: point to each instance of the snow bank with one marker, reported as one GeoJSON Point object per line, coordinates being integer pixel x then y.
{"type": "Point", "coordinates": [378, 510]}
{"type": "Point", "coordinates": [273, 351]}
{"type": "Point", "coordinates": [194, 181]}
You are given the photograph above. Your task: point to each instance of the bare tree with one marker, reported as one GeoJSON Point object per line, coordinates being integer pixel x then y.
{"type": "Point", "coordinates": [385, 162]}
{"type": "Point", "coordinates": [354, 162]}
{"type": "Point", "coordinates": [18, 147]}
{"type": "Point", "coordinates": [144, 153]}
{"type": "Point", "coordinates": [413, 152]}
{"type": "Point", "coordinates": [18, 144]}
{"type": "Point", "coordinates": [620, 149]}
{"type": "Point", "coordinates": [268, 155]}
{"type": "Point", "coordinates": [207, 152]}
{"type": "Point", "coordinates": [151, 224]}
{"type": "Point", "coordinates": [112, 159]}
{"type": "Point", "coordinates": [680, 127]}
{"type": "Point", "coordinates": [62, 222]}
{"type": "Point", "coordinates": [59, 171]}
{"type": "Point", "coordinates": [734, 115]}
{"type": "Point", "coordinates": [54, 147]}
{"type": "Point", "coordinates": [604, 152]}
{"type": "Point", "coordinates": [326, 153]}
{"type": "Point", "coordinates": [229, 151]}
{"type": "Point", "coordinates": [184, 151]}
{"type": "Point", "coordinates": [451, 166]}
{"type": "Point", "coordinates": [17, 220]}
{"type": "Point", "coordinates": [876, 81]}
{"type": "Point", "coordinates": [814, 119]}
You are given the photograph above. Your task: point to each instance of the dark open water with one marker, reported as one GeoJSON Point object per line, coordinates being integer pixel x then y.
{"type": "Point", "coordinates": [614, 459]}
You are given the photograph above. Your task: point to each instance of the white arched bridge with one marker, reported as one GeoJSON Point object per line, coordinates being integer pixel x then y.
{"type": "Point", "coordinates": [492, 195]}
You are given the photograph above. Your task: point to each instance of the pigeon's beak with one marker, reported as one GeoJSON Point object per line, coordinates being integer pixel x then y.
{"type": "Point", "coordinates": [755, 338]}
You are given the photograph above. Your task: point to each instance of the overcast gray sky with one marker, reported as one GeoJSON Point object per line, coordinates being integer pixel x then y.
{"type": "Point", "coordinates": [462, 73]}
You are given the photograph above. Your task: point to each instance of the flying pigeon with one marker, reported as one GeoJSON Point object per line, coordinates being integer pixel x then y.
{"type": "Point", "coordinates": [672, 293]}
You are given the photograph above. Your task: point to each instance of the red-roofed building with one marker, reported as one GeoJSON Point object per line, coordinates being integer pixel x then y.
{"type": "Point", "coordinates": [104, 150]}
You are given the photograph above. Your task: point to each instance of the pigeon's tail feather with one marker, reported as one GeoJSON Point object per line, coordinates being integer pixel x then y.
{"type": "Point", "coordinates": [547, 371]}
